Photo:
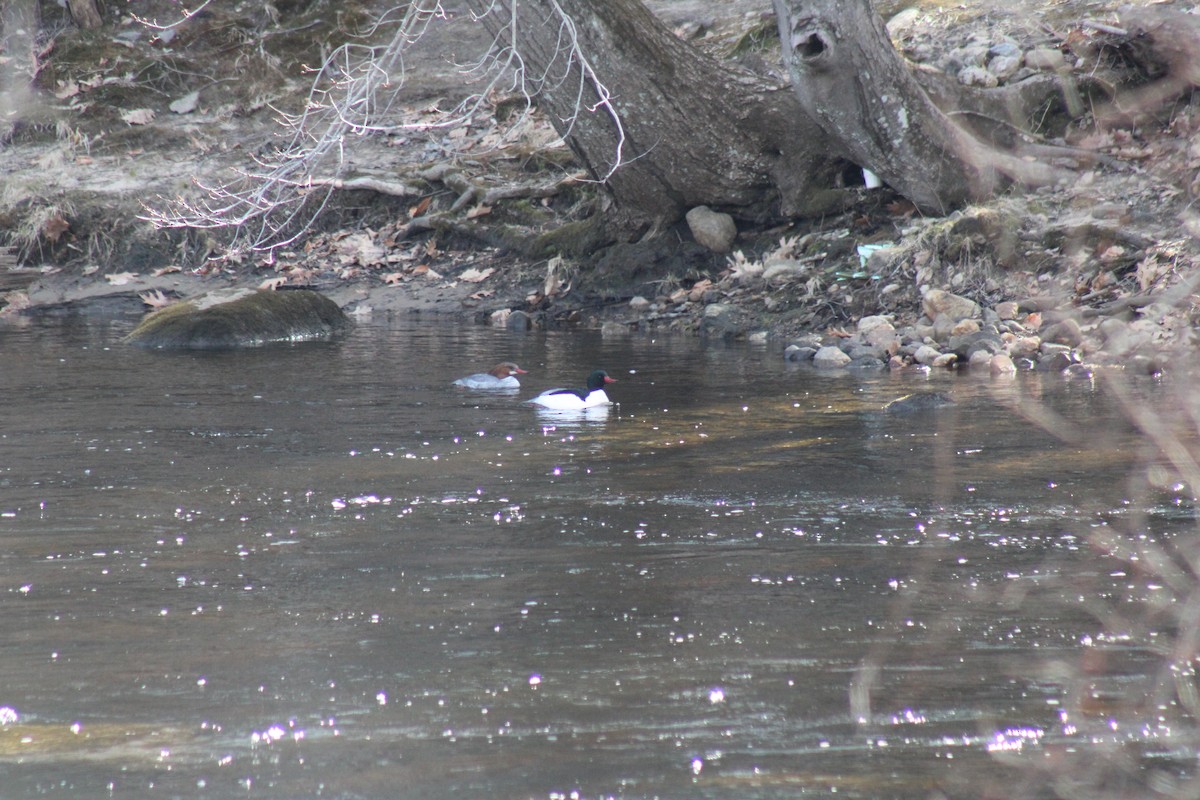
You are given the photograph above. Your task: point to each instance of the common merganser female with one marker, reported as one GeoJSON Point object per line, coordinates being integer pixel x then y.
{"type": "Point", "coordinates": [572, 399]}
{"type": "Point", "coordinates": [501, 376]}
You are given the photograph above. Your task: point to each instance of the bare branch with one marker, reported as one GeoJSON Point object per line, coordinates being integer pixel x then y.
{"type": "Point", "coordinates": [356, 93]}
{"type": "Point", "coordinates": [186, 16]}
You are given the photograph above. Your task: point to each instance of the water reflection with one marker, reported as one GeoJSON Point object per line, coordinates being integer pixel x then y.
{"type": "Point", "coordinates": [553, 420]}
{"type": "Point", "coordinates": [323, 570]}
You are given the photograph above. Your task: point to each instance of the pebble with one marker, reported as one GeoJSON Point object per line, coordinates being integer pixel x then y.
{"type": "Point", "coordinates": [1023, 347]}
{"type": "Point", "coordinates": [795, 352]}
{"type": "Point", "coordinates": [1045, 58]}
{"type": "Point", "coordinates": [939, 301]}
{"type": "Point", "coordinates": [926, 354]}
{"type": "Point", "coordinates": [1008, 309]}
{"type": "Point", "coordinates": [965, 327]}
{"type": "Point", "coordinates": [1001, 364]}
{"type": "Point", "coordinates": [830, 357]}
{"type": "Point", "coordinates": [977, 76]}
{"type": "Point", "coordinates": [1004, 67]}
{"type": "Point", "coordinates": [712, 229]}
{"type": "Point", "coordinates": [868, 324]}
{"type": "Point", "coordinates": [980, 359]}
{"type": "Point", "coordinates": [518, 321]}
{"type": "Point", "coordinates": [1066, 332]}
{"type": "Point", "coordinates": [944, 360]}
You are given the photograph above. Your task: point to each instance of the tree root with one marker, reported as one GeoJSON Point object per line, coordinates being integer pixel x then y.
{"type": "Point", "coordinates": [1173, 37]}
{"type": "Point", "coordinates": [469, 191]}
{"type": "Point", "coordinates": [367, 183]}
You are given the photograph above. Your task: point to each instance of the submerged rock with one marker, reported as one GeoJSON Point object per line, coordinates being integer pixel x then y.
{"type": "Point", "coordinates": [920, 401]}
{"type": "Point", "coordinates": [242, 318]}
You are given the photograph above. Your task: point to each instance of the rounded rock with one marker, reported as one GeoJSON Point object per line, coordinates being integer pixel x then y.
{"type": "Point", "coordinates": [945, 360]}
{"type": "Point", "coordinates": [518, 321]}
{"type": "Point", "coordinates": [980, 359]}
{"type": "Point", "coordinates": [939, 301]}
{"type": "Point", "coordinates": [712, 229]}
{"type": "Point", "coordinates": [1002, 364]}
{"type": "Point", "coordinates": [1024, 347]}
{"type": "Point", "coordinates": [241, 318]}
{"type": "Point", "coordinates": [830, 358]}
{"type": "Point", "coordinates": [977, 76]}
{"type": "Point", "coordinates": [1007, 310]}
{"type": "Point", "coordinates": [795, 352]}
{"type": "Point", "coordinates": [1066, 332]}
{"type": "Point", "coordinates": [926, 355]}
{"type": "Point", "coordinates": [1004, 67]}
{"type": "Point", "coordinates": [1045, 58]}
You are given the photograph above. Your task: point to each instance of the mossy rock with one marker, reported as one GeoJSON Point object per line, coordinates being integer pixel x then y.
{"type": "Point", "coordinates": [244, 318]}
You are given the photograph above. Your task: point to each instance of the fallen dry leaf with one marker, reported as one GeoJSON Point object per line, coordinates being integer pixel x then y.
{"type": "Point", "coordinates": [425, 271]}
{"type": "Point", "coordinates": [121, 278]}
{"type": "Point", "coordinates": [479, 211]}
{"type": "Point", "coordinates": [138, 116]}
{"type": "Point", "coordinates": [158, 273]}
{"type": "Point", "coordinates": [156, 299]}
{"type": "Point", "coordinates": [17, 301]}
{"type": "Point", "coordinates": [186, 104]}
{"type": "Point", "coordinates": [473, 275]}
{"type": "Point", "coordinates": [67, 89]}
{"type": "Point", "coordinates": [420, 208]}
{"type": "Point", "coordinates": [55, 227]}
{"type": "Point", "coordinates": [360, 248]}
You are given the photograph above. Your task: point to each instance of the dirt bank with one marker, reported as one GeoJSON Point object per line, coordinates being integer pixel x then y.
{"type": "Point", "coordinates": [127, 117]}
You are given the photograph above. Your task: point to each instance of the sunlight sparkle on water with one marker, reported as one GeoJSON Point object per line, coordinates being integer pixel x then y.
{"type": "Point", "coordinates": [1014, 739]}
{"type": "Point", "coordinates": [909, 717]}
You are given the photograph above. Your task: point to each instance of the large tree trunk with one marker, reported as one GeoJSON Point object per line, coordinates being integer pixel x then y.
{"type": "Point", "coordinates": [850, 79]}
{"type": "Point", "coordinates": [19, 23]}
{"type": "Point", "coordinates": [85, 13]}
{"type": "Point", "coordinates": [676, 129]}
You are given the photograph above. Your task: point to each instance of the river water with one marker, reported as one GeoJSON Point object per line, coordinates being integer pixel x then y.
{"type": "Point", "coordinates": [323, 571]}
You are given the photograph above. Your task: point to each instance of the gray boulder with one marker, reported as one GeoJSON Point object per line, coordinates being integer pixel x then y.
{"type": "Point", "coordinates": [241, 318]}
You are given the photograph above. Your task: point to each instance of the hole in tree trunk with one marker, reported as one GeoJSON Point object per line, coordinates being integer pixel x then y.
{"type": "Point", "coordinates": [809, 45]}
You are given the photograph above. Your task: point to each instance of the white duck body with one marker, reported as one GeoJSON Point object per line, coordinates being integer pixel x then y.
{"type": "Point", "coordinates": [575, 399]}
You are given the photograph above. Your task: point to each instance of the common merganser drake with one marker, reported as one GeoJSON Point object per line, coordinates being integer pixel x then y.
{"type": "Point", "coordinates": [573, 399]}
{"type": "Point", "coordinates": [501, 376]}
